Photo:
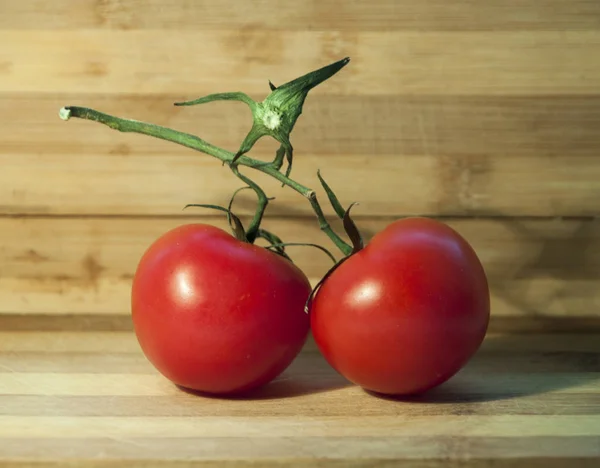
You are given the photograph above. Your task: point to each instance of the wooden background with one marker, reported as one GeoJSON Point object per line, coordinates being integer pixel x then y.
{"type": "Point", "coordinates": [485, 113]}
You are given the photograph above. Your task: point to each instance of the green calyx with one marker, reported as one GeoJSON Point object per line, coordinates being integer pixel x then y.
{"type": "Point", "coordinates": [278, 113]}
{"type": "Point", "coordinates": [344, 214]}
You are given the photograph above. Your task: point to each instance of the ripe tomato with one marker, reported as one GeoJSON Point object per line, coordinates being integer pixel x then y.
{"type": "Point", "coordinates": [215, 314]}
{"type": "Point", "coordinates": [405, 313]}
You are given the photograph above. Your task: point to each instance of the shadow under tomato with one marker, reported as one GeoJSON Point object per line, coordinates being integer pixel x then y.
{"type": "Point", "coordinates": [505, 369]}
{"type": "Point", "coordinates": [309, 374]}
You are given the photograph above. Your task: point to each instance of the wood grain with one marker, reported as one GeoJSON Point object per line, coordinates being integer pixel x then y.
{"type": "Point", "coordinates": [485, 127]}
{"type": "Point", "coordinates": [100, 403]}
{"type": "Point", "coordinates": [390, 185]}
{"type": "Point", "coordinates": [485, 113]}
{"type": "Point", "coordinates": [425, 155]}
{"type": "Point", "coordinates": [118, 322]}
{"type": "Point", "coordinates": [521, 63]}
{"type": "Point", "coordinates": [318, 404]}
{"type": "Point", "coordinates": [43, 427]}
{"type": "Point", "coordinates": [536, 268]}
{"type": "Point", "coordinates": [106, 344]}
{"type": "Point", "coordinates": [437, 15]}
{"type": "Point", "coordinates": [463, 109]}
{"type": "Point", "coordinates": [132, 384]}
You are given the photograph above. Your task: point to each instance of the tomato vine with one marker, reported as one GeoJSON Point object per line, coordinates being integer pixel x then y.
{"type": "Point", "coordinates": [275, 117]}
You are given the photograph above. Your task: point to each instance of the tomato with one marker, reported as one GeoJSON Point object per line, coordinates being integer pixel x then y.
{"type": "Point", "coordinates": [215, 314]}
{"type": "Point", "coordinates": [407, 312]}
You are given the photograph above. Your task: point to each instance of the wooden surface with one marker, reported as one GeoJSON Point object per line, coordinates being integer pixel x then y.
{"type": "Point", "coordinates": [91, 399]}
{"type": "Point", "coordinates": [484, 113]}
{"type": "Point", "coordinates": [397, 155]}
{"type": "Point", "coordinates": [537, 268]}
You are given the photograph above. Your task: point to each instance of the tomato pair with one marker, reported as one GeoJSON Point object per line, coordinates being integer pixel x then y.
{"type": "Point", "coordinates": [399, 317]}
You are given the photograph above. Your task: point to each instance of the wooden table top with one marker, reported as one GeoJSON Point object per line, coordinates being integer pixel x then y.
{"type": "Point", "coordinates": [91, 399]}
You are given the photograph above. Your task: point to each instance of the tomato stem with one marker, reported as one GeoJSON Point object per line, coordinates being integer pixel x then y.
{"type": "Point", "coordinates": [198, 144]}
{"type": "Point", "coordinates": [262, 201]}
{"type": "Point", "coordinates": [303, 244]}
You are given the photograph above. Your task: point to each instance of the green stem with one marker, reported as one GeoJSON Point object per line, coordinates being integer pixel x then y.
{"type": "Point", "coordinates": [263, 201]}
{"type": "Point", "coordinates": [243, 97]}
{"type": "Point", "coordinates": [198, 144]}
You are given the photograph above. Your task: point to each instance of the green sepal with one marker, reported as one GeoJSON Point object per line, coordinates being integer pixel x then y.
{"type": "Point", "coordinates": [335, 203]}
{"type": "Point", "coordinates": [234, 96]}
{"type": "Point", "coordinates": [352, 231]}
{"type": "Point", "coordinates": [274, 241]}
{"type": "Point", "coordinates": [296, 244]}
{"type": "Point", "coordinates": [237, 226]}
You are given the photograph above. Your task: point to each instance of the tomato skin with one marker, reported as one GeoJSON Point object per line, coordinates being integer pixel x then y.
{"type": "Point", "coordinates": [217, 315]}
{"type": "Point", "coordinates": [407, 312]}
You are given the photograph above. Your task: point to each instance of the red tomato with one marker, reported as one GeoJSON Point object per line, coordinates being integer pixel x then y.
{"type": "Point", "coordinates": [215, 314]}
{"type": "Point", "coordinates": [405, 313]}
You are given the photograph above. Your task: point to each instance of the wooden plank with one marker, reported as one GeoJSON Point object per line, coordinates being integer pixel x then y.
{"type": "Point", "coordinates": [69, 342]}
{"type": "Point", "coordinates": [118, 323]}
{"type": "Point", "coordinates": [315, 404]}
{"type": "Point", "coordinates": [488, 360]}
{"type": "Point", "coordinates": [538, 268]}
{"type": "Point", "coordinates": [474, 126]}
{"type": "Point", "coordinates": [389, 185]}
{"type": "Point", "coordinates": [155, 385]}
{"type": "Point", "coordinates": [43, 427]}
{"type": "Point", "coordinates": [122, 322]}
{"type": "Point", "coordinates": [523, 63]}
{"type": "Point", "coordinates": [376, 15]}
{"type": "Point", "coordinates": [104, 343]}
{"type": "Point", "coordinates": [111, 416]}
{"type": "Point", "coordinates": [408, 155]}
{"type": "Point", "coordinates": [305, 452]}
